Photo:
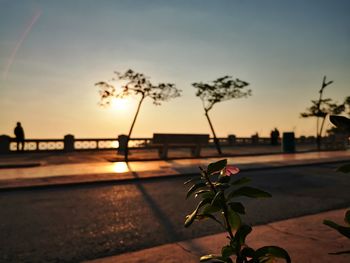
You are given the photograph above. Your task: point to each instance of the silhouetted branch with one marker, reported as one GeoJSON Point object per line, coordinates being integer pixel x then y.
{"type": "Point", "coordinates": [137, 84]}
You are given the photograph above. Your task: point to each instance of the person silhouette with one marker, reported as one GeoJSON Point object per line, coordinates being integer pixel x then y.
{"type": "Point", "coordinates": [275, 134]}
{"type": "Point", "coordinates": [19, 133]}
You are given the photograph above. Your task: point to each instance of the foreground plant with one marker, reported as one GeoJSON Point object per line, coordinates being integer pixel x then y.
{"type": "Point", "coordinates": [342, 123]}
{"type": "Point", "coordinates": [217, 191]}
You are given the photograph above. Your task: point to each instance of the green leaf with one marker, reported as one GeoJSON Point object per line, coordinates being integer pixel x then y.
{"type": "Point", "coordinates": [201, 192]}
{"type": "Point", "coordinates": [234, 219]}
{"type": "Point", "coordinates": [271, 252]}
{"type": "Point", "coordinates": [347, 217]}
{"type": "Point", "coordinates": [345, 231]}
{"type": "Point", "coordinates": [222, 186]}
{"type": "Point", "coordinates": [194, 188]}
{"type": "Point", "coordinates": [249, 192]}
{"type": "Point", "coordinates": [227, 251]}
{"type": "Point", "coordinates": [205, 258]}
{"type": "Point", "coordinates": [344, 168]}
{"type": "Point", "coordinates": [224, 178]}
{"type": "Point", "coordinates": [248, 252]}
{"type": "Point", "coordinates": [209, 209]}
{"type": "Point", "coordinates": [196, 179]}
{"type": "Point", "coordinates": [237, 207]}
{"type": "Point", "coordinates": [191, 217]}
{"type": "Point", "coordinates": [240, 181]}
{"type": "Point", "coordinates": [217, 166]}
{"type": "Point", "coordinates": [242, 233]}
{"type": "Point", "coordinates": [218, 199]}
{"type": "Point", "coordinates": [340, 122]}
{"type": "Point", "coordinates": [209, 195]}
{"type": "Point", "coordinates": [205, 216]}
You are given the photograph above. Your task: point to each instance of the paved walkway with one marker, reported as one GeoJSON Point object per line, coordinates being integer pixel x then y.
{"type": "Point", "coordinates": [46, 158]}
{"type": "Point", "coordinates": [306, 239]}
{"type": "Point", "coordinates": [85, 172]}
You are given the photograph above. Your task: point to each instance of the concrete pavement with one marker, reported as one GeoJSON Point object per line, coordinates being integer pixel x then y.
{"type": "Point", "coordinates": [105, 171]}
{"type": "Point", "coordinates": [305, 238]}
{"type": "Point", "coordinates": [48, 158]}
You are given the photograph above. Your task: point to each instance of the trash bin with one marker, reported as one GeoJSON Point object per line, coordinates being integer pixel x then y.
{"type": "Point", "coordinates": [68, 142]}
{"type": "Point", "coordinates": [288, 142]}
{"type": "Point", "coordinates": [231, 139]}
{"type": "Point", "coordinates": [5, 144]}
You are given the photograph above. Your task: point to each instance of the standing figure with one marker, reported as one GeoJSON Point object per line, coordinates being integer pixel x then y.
{"type": "Point", "coordinates": [19, 133]}
{"type": "Point", "coordinates": [275, 134]}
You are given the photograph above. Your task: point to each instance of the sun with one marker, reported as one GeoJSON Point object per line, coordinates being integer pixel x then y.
{"type": "Point", "coordinates": [119, 104]}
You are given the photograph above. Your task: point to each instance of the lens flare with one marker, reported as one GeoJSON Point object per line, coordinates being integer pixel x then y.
{"type": "Point", "coordinates": [19, 43]}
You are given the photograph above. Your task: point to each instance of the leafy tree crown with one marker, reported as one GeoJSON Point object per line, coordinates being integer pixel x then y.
{"type": "Point", "coordinates": [221, 89]}
{"type": "Point", "coordinates": [134, 83]}
{"type": "Point", "coordinates": [322, 108]}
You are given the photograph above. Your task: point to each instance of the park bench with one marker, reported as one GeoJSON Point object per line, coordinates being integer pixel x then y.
{"type": "Point", "coordinates": [164, 141]}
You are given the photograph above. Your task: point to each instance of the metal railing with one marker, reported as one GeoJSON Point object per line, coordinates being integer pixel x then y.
{"type": "Point", "coordinates": [93, 144]}
{"type": "Point", "coordinates": [80, 144]}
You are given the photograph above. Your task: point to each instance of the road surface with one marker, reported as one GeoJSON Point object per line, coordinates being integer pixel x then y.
{"type": "Point", "coordinates": [71, 224]}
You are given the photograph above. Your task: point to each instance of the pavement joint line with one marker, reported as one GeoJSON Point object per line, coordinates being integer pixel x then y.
{"type": "Point", "coordinates": [185, 249]}
{"type": "Point", "coordinates": [269, 225]}
{"type": "Point", "coordinates": [138, 179]}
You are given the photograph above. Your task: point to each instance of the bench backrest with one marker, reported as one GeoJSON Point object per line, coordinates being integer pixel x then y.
{"type": "Point", "coordinates": [180, 138]}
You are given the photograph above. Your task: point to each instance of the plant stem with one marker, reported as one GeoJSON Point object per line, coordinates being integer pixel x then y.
{"type": "Point", "coordinates": [321, 129]}
{"type": "Point", "coordinates": [224, 208]}
{"type": "Point", "coordinates": [229, 228]}
{"type": "Point", "coordinates": [208, 180]}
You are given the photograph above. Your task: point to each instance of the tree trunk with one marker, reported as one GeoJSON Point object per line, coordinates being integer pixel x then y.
{"type": "Point", "coordinates": [319, 130]}
{"type": "Point", "coordinates": [126, 153]}
{"type": "Point", "coordinates": [319, 141]}
{"type": "Point", "coordinates": [216, 141]}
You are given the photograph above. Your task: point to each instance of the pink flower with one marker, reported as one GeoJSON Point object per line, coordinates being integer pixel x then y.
{"type": "Point", "coordinates": [231, 170]}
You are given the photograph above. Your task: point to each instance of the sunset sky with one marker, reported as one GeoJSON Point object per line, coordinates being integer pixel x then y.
{"type": "Point", "coordinates": [53, 52]}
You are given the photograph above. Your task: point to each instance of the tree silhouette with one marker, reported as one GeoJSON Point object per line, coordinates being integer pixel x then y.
{"type": "Point", "coordinates": [221, 89]}
{"type": "Point", "coordinates": [139, 85]}
{"type": "Point", "coordinates": [321, 108]}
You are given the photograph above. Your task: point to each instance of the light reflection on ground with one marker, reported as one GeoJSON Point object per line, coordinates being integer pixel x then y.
{"type": "Point", "coordinates": [169, 167]}
{"type": "Point", "coordinates": [120, 167]}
